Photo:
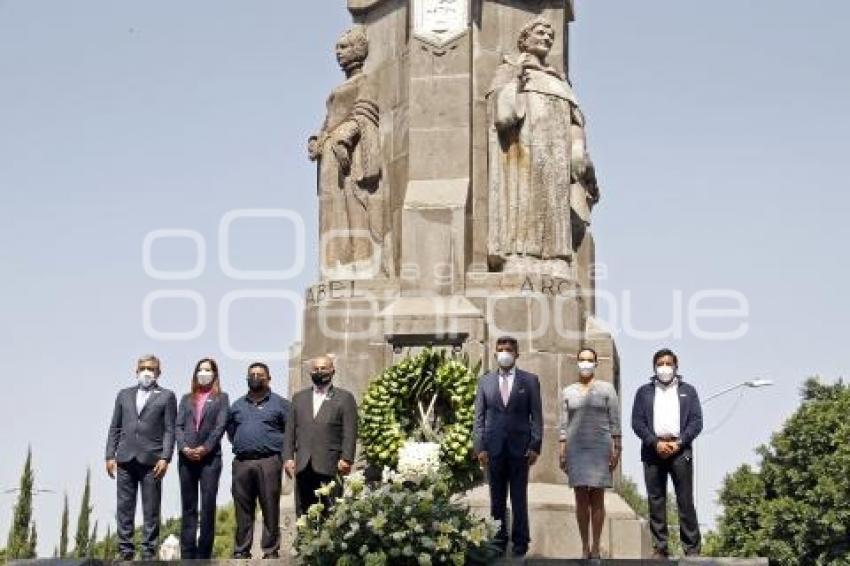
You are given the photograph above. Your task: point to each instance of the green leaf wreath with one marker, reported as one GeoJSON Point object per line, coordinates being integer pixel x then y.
{"type": "Point", "coordinates": [426, 398]}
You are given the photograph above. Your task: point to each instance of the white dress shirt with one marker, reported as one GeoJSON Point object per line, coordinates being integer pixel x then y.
{"type": "Point", "coordinates": [666, 409]}
{"type": "Point", "coordinates": [319, 396]}
{"type": "Point", "coordinates": [142, 395]}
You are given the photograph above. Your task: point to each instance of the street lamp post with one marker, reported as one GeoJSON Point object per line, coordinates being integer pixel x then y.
{"type": "Point", "coordinates": [749, 384]}
{"type": "Point", "coordinates": [752, 384]}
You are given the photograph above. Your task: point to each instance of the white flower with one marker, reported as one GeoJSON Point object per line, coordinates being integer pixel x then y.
{"type": "Point", "coordinates": [418, 461]}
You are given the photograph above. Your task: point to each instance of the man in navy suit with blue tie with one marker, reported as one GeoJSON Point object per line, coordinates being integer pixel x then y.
{"type": "Point", "coordinates": [508, 435]}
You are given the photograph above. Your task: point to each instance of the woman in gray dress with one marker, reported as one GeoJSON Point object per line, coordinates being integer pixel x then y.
{"type": "Point", "coordinates": [590, 446]}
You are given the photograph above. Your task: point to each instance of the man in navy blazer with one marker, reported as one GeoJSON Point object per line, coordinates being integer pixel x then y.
{"type": "Point", "coordinates": [138, 449]}
{"type": "Point", "coordinates": [667, 417]}
{"type": "Point", "coordinates": [508, 435]}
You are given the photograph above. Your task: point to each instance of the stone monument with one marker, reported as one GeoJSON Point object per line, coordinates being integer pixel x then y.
{"type": "Point", "coordinates": [455, 198]}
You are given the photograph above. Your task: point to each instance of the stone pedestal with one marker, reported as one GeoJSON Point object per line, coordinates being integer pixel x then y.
{"type": "Point", "coordinates": [369, 325]}
{"type": "Point", "coordinates": [554, 531]}
{"type": "Point", "coordinates": [430, 67]}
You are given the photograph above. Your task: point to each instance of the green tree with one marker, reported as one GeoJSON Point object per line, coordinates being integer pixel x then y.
{"type": "Point", "coordinates": [81, 542]}
{"type": "Point", "coordinates": [107, 549]}
{"type": "Point", "coordinates": [628, 490]}
{"type": "Point", "coordinates": [92, 541]}
{"type": "Point", "coordinates": [32, 550]}
{"type": "Point", "coordinates": [63, 530]}
{"type": "Point", "coordinates": [225, 528]}
{"type": "Point", "coordinates": [18, 545]}
{"type": "Point", "coordinates": [795, 507]}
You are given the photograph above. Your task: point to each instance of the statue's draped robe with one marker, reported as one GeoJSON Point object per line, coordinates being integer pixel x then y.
{"type": "Point", "coordinates": [350, 211]}
{"type": "Point", "coordinates": [530, 151]}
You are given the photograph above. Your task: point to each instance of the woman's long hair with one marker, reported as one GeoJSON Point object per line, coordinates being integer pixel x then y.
{"type": "Point", "coordinates": [214, 386]}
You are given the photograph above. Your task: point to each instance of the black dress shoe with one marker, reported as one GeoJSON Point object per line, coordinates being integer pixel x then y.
{"type": "Point", "coordinates": [241, 556]}
{"type": "Point", "coordinates": [271, 555]}
{"type": "Point", "coordinates": [520, 551]}
{"type": "Point", "coordinates": [127, 557]}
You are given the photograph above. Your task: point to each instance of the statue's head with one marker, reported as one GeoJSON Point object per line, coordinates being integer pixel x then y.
{"type": "Point", "coordinates": [536, 37]}
{"type": "Point", "coordinates": [352, 48]}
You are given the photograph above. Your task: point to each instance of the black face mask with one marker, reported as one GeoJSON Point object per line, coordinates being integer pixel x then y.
{"type": "Point", "coordinates": [320, 378]}
{"type": "Point", "coordinates": [256, 383]}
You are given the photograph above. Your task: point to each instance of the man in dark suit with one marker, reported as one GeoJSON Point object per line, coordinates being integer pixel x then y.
{"type": "Point", "coordinates": [508, 435]}
{"type": "Point", "coordinates": [138, 450]}
{"type": "Point", "coordinates": [667, 417]}
{"type": "Point", "coordinates": [322, 439]}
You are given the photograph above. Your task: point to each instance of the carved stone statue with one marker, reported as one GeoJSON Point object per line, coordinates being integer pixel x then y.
{"type": "Point", "coordinates": [538, 165]}
{"type": "Point", "coordinates": [584, 189]}
{"type": "Point", "coordinates": [351, 208]}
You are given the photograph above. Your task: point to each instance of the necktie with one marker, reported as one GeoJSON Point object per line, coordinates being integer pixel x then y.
{"type": "Point", "coordinates": [504, 387]}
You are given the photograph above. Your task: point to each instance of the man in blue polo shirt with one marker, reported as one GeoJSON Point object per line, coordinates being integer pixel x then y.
{"type": "Point", "coordinates": [255, 428]}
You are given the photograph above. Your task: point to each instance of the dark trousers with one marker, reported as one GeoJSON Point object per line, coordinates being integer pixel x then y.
{"type": "Point", "coordinates": [253, 481]}
{"type": "Point", "coordinates": [130, 477]}
{"type": "Point", "coordinates": [681, 469]}
{"type": "Point", "coordinates": [510, 474]}
{"type": "Point", "coordinates": [307, 481]}
{"type": "Point", "coordinates": [203, 475]}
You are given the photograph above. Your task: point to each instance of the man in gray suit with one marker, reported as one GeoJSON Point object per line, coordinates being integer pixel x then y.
{"type": "Point", "coordinates": [507, 436]}
{"type": "Point", "coordinates": [321, 438]}
{"type": "Point", "coordinates": [138, 450]}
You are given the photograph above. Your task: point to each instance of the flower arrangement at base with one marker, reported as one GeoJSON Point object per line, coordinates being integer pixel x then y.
{"type": "Point", "coordinates": [428, 398]}
{"type": "Point", "coordinates": [394, 522]}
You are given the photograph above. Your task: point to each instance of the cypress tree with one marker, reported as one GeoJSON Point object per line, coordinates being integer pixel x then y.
{"type": "Point", "coordinates": [32, 549]}
{"type": "Point", "coordinates": [18, 545]}
{"type": "Point", "coordinates": [81, 543]}
{"type": "Point", "coordinates": [63, 533]}
{"type": "Point", "coordinates": [108, 547]}
{"type": "Point", "coordinates": [92, 541]}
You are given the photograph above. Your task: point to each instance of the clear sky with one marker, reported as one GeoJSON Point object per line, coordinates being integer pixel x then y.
{"type": "Point", "coordinates": [718, 130]}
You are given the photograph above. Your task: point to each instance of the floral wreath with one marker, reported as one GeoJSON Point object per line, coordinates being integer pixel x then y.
{"type": "Point", "coordinates": [429, 397]}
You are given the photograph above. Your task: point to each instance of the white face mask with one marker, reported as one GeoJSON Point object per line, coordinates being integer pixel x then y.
{"type": "Point", "coordinates": [665, 374]}
{"type": "Point", "coordinates": [505, 359]}
{"type": "Point", "coordinates": [146, 378]}
{"type": "Point", "coordinates": [205, 377]}
{"type": "Point", "coordinates": [586, 368]}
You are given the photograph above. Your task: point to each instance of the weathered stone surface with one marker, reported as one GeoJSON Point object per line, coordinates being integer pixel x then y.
{"type": "Point", "coordinates": [442, 110]}
{"type": "Point", "coordinates": [554, 532]}
{"type": "Point", "coordinates": [434, 211]}
{"type": "Point", "coordinates": [439, 21]}
{"type": "Point", "coordinates": [537, 159]}
{"type": "Point", "coordinates": [352, 209]}
{"type": "Point", "coordinates": [359, 6]}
